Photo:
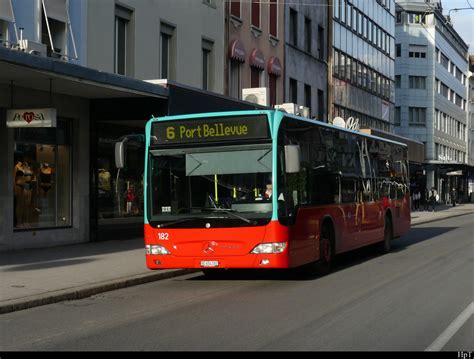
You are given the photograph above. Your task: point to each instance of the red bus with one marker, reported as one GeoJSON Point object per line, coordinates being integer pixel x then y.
{"type": "Point", "coordinates": [265, 189]}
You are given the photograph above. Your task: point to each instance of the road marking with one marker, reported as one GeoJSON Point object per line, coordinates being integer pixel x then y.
{"type": "Point", "coordinates": [445, 336]}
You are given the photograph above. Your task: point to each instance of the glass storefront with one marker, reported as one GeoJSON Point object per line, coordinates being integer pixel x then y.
{"type": "Point", "coordinates": [120, 192]}
{"type": "Point", "coordinates": [42, 177]}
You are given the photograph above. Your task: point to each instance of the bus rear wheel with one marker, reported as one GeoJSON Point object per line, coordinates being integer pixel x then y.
{"type": "Point", "coordinates": [386, 245]}
{"type": "Point", "coordinates": [326, 250]}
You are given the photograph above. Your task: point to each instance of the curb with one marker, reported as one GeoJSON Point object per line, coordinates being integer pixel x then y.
{"type": "Point", "coordinates": [440, 219]}
{"type": "Point", "coordinates": [82, 292]}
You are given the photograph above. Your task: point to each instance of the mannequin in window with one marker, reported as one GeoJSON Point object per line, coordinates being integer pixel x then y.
{"type": "Point", "coordinates": [46, 178]}
{"type": "Point", "coordinates": [23, 189]}
{"type": "Point", "coordinates": [104, 180]}
{"type": "Point", "coordinates": [129, 199]}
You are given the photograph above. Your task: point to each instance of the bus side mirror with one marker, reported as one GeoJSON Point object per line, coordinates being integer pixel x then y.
{"type": "Point", "coordinates": [292, 158]}
{"type": "Point", "coordinates": [120, 150]}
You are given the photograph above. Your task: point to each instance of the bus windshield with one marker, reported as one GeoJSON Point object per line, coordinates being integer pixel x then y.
{"type": "Point", "coordinates": [215, 186]}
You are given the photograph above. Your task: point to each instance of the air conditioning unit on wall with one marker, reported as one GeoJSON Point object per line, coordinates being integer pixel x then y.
{"type": "Point", "coordinates": [294, 109]}
{"type": "Point", "coordinates": [258, 95]}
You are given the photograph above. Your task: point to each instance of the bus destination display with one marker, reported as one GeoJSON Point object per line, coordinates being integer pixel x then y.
{"type": "Point", "coordinates": [210, 130]}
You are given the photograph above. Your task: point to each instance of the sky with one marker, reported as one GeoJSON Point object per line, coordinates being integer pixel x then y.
{"type": "Point", "coordinates": [463, 20]}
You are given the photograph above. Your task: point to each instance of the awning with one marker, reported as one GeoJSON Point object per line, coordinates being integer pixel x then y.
{"type": "Point", "coordinates": [237, 50]}
{"type": "Point", "coordinates": [57, 10]}
{"type": "Point", "coordinates": [6, 11]}
{"type": "Point", "coordinates": [257, 59]}
{"type": "Point", "coordinates": [274, 66]}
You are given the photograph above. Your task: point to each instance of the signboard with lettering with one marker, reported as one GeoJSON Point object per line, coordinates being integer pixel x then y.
{"type": "Point", "coordinates": [29, 118]}
{"type": "Point", "coordinates": [212, 129]}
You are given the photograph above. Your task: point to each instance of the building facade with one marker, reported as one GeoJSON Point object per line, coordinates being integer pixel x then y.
{"type": "Point", "coordinates": [306, 56]}
{"type": "Point", "coordinates": [254, 46]}
{"type": "Point", "coordinates": [363, 61]}
{"type": "Point", "coordinates": [71, 86]}
{"type": "Point", "coordinates": [178, 40]}
{"type": "Point", "coordinates": [431, 92]}
{"type": "Point", "coordinates": [470, 134]}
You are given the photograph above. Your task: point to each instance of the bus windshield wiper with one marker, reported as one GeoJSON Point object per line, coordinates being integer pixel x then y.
{"type": "Point", "coordinates": [226, 211]}
{"type": "Point", "coordinates": [187, 219]}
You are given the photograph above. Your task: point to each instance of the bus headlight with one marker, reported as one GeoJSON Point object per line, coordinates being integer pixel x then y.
{"type": "Point", "coordinates": [268, 248]}
{"type": "Point", "coordinates": [155, 249]}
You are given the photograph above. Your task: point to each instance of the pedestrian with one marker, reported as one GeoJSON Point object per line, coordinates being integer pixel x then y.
{"type": "Point", "coordinates": [416, 199]}
{"type": "Point", "coordinates": [453, 197]}
{"type": "Point", "coordinates": [426, 197]}
{"type": "Point", "coordinates": [433, 195]}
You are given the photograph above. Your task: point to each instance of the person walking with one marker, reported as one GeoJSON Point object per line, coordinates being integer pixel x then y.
{"type": "Point", "coordinates": [453, 197]}
{"type": "Point", "coordinates": [433, 199]}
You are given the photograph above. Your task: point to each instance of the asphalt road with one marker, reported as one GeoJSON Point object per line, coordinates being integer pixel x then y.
{"type": "Point", "coordinates": [420, 296]}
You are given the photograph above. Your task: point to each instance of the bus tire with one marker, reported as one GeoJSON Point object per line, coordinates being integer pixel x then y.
{"type": "Point", "coordinates": [326, 249]}
{"type": "Point", "coordinates": [386, 245]}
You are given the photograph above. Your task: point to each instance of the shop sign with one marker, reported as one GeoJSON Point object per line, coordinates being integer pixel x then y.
{"type": "Point", "coordinates": [33, 117]}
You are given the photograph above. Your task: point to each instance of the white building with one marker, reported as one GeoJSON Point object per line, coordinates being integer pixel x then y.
{"type": "Point", "coordinates": [431, 80]}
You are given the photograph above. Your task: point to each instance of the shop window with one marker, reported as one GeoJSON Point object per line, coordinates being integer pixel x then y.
{"type": "Point", "coordinates": [42, 177]}
{"type": "Point", "coordinates": [120, 193]}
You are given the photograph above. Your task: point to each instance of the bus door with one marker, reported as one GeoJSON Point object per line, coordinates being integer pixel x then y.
{"type": "Point", "coordinates": [371, 216]}
{"type": "Point", "coordinates": [351, 212]}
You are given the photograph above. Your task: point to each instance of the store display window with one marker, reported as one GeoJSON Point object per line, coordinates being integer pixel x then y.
{"type": "Point", "coordinates": [42, 177]}
{"type": "Point", "coordinates": [119, 193]}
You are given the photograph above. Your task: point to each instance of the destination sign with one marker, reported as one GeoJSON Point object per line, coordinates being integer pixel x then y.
{"type": "Point", "coordinates": [210, 129]}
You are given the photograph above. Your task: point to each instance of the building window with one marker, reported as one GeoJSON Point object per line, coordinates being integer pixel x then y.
{"type": "Point", "coordinates": [417, 82]}
{"type": "Point", "coordinates": [398, 81]}
{"type": "Point", "coordinates": [321, 43]}
{"type": "Point", "coordinates": [293, 27]}
{"type": "Point", "coordinates": [293, 91]}
{"type": "Point", "coordinates": [234, 85]}
{"type": "Point", "coordinates": [206, 64]}
{"type": "Point", "coordinates": [42, 177]}
{"type": "Point", "coordinates": [397, 116]}
{"type": "Point", "coordinates": [444, 61]}
{"type": "Point", "coordinates": [417, 116]}
{"type": "Point", "coordinates": [273, 19]}
{"type": "Point", "coordinates": [398, 50]}
{"type": "Point", "coordinates": [235, 8]}
{"type": "Point", "coordinates": [272, 79]}
{"type": "Point", "coordinates": [307, 96]}
{"type": "Point", "coordinates": [56, 26]}
{"type": "Point", "coordinates": [321, 105]}
{"type": "Point", "coordinates": [398, 17]}
{"type": "Point", "coordinates": [123, 17]}
{"type": "Point", "coordinates": [167, 57]}
{"type": "Point", "coordinates": [255, 77]}
{"type": "Point", "coordinates": [307, 33]}
{"type": "Point", "coordinates": [256, 13]}
{"type": "Point", "coordinates": [416, 18]}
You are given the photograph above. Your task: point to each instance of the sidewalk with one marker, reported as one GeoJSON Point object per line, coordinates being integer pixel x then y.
{"type": "Point", "coordinates": [34, 277]}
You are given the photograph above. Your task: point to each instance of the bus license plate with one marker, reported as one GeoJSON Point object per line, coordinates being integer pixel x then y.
{"type": "Point", "coordinates": [209, 263]}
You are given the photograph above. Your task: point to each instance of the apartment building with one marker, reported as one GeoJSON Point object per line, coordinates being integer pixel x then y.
{"type": "Point", "coordinates": [255, 50]}
{"type": "Point", "coordinates": [306, 56]}
{"type": "Point", "coordinates": [431, 92]}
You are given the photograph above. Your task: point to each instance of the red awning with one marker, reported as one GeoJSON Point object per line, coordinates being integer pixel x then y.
{"type": "Point", "coordinates": [274, 66]}
{"type": "Point", "coordinates": [237, 50]}
{"type": "Point", "coordinates": [257, 59]}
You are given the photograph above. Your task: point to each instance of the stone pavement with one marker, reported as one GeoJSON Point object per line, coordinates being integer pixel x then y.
{"type": "Point", "coordinates": [34, 277]}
